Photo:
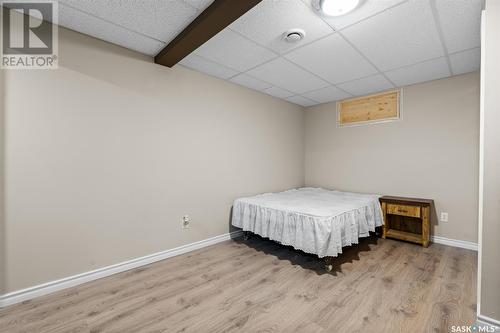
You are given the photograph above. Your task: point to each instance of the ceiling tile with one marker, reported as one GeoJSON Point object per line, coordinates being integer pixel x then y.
{"type": "Point", "coordinates": [366, 9]}
{"type": "Point", "coordinates": [301, 101]}
{"type": "Point", "coordinates": [268, 21]}
{"type": "Point", "coordinates": [327, 94]}
{"type": "Point", "coordinates": [466, 61]}
{"type": "Point", "coordinates": [90, 25]}
{"type": "Point", "coordinates": [400, 36]}
{"type": "Point", "coordinates": [199, 4]}
{"type": "Point", "coordinates": [461, 23]}
{"type": "Point", "coordinates": [421, 72]}
{"type": "Point", "coordinates": [333, 59]}
{"type": "Point", "coordinates": [278, 92]}
{"type": "Point", "coordinates": [367, 85]}
{"type": "Point", "coordinates": [250, 82]}
{"type": "Point", "coordinates": [159, 19]}
{"type": "Point", "coordinates": [234, 51]}
{"type": "Point", "coordinates": [286, 75]}
{"type": "Point", "coordinates": [208, 67]}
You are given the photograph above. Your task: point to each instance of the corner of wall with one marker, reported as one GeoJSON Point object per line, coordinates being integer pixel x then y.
{"type": "Point", "coordinates": [3, 246]}
{"type": "Point", "coordinates": [304, 110]}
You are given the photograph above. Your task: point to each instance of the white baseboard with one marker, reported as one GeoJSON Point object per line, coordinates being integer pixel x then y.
{"type": "Point", "coordinates": [72, 281]}
{"type": "Point", "coordinates": [488, 321]}
{"type": "Point", "coordinates": [454, 242]}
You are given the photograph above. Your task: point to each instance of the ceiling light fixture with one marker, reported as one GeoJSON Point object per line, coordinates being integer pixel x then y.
{"type": "Point", "coordinates": [337, 7]}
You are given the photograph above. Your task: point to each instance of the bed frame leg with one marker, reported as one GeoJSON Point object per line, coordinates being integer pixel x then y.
{"type": "Point", "coordinates": [246, 235]}
{"type": "Point", "coordinates": [328, 264]}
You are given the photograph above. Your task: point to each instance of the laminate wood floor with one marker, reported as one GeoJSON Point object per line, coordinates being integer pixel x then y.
{"type": "Point", "coordinates": [260, 286]}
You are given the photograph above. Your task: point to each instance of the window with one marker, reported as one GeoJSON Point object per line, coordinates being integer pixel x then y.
{"type": "Point", "coordinates": [369, 109]}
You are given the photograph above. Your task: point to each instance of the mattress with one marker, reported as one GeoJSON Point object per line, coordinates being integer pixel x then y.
{"type": "Point", "coordinates": [313, 220]}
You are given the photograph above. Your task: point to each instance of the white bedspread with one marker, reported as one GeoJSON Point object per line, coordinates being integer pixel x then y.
{"type": "Point", "coordinates": [313, 220]}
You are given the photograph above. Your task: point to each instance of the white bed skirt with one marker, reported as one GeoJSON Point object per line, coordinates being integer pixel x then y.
{"type": "Point", "coordinates": [313, 220]}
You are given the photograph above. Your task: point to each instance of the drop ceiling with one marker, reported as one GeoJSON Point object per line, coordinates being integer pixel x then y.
{"type": "Point", "coordinates": [381, 45]}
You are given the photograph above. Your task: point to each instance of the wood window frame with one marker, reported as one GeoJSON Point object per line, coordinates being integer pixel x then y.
{"type": "Point", "coordinates": [375, 121]}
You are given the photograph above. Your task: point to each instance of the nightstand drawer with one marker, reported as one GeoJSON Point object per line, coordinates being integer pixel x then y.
{"type": "Point", "coordinates": [403, 210]}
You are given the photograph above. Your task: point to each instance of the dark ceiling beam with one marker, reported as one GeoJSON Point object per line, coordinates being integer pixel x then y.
{"type": "Point", "coordinates": [214, 19]}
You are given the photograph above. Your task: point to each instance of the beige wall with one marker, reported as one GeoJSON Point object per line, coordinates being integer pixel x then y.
{"type": "Point", "coordinates": [432, 153]}
{"type": "Point", "coordinates": [107, 153]}
{"type": "Point", "coordinates": [490, 262]}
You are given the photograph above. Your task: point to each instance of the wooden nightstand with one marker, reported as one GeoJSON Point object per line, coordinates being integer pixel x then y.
{"type": "Point", "coordinates": [407, 219]}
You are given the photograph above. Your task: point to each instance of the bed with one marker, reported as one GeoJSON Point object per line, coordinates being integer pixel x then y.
{"type": "Point", "coordinates": [313, 220]}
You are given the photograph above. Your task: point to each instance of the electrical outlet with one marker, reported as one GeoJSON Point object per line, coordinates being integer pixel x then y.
{"type": "Point", "coordinates": [444, 217]}
{"type": "Point", "coordinates": [186, 222]}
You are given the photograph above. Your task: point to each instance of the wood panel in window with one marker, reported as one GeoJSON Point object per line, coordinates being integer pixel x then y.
{"type": "Point", "coordinates": [369, 109]}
